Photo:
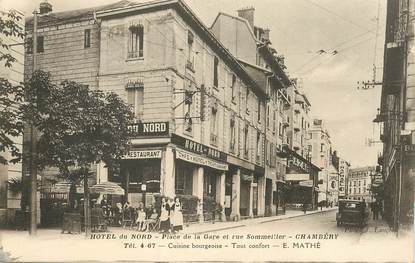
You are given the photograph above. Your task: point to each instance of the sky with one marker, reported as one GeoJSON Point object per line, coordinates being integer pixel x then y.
{"type": "Point", "coordinates": [299, 29]}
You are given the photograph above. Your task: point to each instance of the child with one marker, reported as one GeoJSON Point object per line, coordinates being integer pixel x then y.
{"type": "Point", "coordinates": [141, 218]}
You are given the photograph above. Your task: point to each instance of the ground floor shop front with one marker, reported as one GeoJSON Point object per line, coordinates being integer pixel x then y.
{"type": "Point", "coordinates": [210, 184]}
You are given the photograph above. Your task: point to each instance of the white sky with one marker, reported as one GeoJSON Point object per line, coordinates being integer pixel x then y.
{"type": "Point", "coordinates": [299, 28]}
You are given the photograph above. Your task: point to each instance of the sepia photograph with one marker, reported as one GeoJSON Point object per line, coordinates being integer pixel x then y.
{"type": "Point", "coordinates": [212, 131]}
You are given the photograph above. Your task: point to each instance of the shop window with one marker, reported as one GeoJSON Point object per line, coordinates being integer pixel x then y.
{"type": "Point", "coordinates": [135, 98]}
{"type": "Point", "coordinates": [87, 38]}
{"type": "Point", "coordinates": [145, 172]}
{"type": "Point", "coordinates": [136, 42]}
{"type": "Point", "coordinates": [216, 72]}
{"type": "Point", "coordinates": [184, 178]}
{"type": "Point", "coordinates": [209, 183]}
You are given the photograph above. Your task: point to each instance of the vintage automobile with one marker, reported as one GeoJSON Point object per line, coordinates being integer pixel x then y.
{"type": "Point", "coordinates": [352, 212]}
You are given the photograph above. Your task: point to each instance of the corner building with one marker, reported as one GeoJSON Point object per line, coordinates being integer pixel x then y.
{"type": "Point", "coordinates": [199, 116]}
{"type": "Point", "coordinates": [175, 73]}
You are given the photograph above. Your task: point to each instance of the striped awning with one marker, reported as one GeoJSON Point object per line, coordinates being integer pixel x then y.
{"type": "Point", "coordinates": [64, 187]}
{"type": "Point", "coordinates": [107, 188]}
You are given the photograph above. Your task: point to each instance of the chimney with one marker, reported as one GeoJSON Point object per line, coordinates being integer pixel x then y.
{"type": "Point", "coordinates": [248, 14]}
{"type": "Point", "coordinates": [45, 8]}
{"type": "Point", "coordinates": [265, 35]}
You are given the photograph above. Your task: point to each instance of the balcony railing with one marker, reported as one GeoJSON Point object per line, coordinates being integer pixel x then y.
{"type": "Point", "coordinates": [135, 54]}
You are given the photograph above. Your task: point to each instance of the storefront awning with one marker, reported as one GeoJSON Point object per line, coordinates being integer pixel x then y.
{"type": "Point", "coordinates": [64, 188]}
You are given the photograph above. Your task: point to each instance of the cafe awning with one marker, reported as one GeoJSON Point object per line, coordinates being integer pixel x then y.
{"type": "Point", "coordinates": [107, 188]}
{"type": "Point", "coordinates": [64, 187]}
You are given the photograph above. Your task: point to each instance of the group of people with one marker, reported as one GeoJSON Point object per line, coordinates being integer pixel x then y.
{"type": "Point", "coordinates": [171, 216]}
{"type": "Point", "coordinates": [168, 213]}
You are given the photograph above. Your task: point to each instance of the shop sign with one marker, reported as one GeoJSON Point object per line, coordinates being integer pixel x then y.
{"type": "Point", "coordinates": [197, 159]}
{"type": "Point", "coordinates": [297, 177]}
{"type": "Point", "coordinates": [308, 183]}
{"type": "Point", "coordinates": [149, 154]}
{"type": "Point", "coordinates": [247, 177]}
{"type": "Point", "coordinates": [297, 162]}
{"type": "Point", "coordinates": [198, 148]}
{"type": "Point", "coordinates": [409, 148]}
{"type": "Point", "coordinates": [148, 128]}
{"type": "Point", "coordinates": [342, 178]}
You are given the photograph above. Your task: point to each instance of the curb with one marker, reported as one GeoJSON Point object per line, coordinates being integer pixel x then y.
{"type": "Point", "coordinates": [262, 222]}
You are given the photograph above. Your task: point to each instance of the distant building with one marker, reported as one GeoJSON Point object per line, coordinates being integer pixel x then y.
{"type": "Point", "coordinates": [10, 200]}
{"type": "Point", "coordinates": [359, 183]}
{"type": "Point", "coordinates": [319, 145]}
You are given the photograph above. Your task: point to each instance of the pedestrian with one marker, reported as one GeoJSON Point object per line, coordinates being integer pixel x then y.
{"type": "Point", "coordinates": [305, 207]}
{"type": "Point", "coordinates": [176, 216]}
{"type": "Point", "coordinates": [375, 211]}
{"type": "Point", "coordinates": [164, 216]}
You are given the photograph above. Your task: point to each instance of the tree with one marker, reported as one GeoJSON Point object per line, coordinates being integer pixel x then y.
{"type": "Point", "coordinates": [10, 95]}
{"type": "Point", "coordinates": [78, 126]}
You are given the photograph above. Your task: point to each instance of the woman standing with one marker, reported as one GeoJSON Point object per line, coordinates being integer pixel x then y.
{"type": "Point", "coordinates": [164, 216]}
{"type": "Point", "coordinates": [176, 215]}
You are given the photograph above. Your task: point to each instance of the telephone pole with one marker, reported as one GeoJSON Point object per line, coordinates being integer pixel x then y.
{"type": "Point", "coordinates": [33, 148]}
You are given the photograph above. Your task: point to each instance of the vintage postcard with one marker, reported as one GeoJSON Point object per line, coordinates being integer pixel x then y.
{"type": "Point", "coordinates": [191, 130]}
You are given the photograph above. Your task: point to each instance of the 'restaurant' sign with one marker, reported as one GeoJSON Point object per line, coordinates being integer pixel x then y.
{"type": "Point", "coordinates": [198, 148]}
{"type": "Point", "coordinates": [142, 154]}
{"type": "Point", "coordinates": [197, 159]}
{"type": "Point", "coordinates": [148, 128]}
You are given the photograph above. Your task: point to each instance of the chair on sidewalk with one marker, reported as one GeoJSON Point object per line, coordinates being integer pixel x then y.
{"type": "Point", "coordinates": [152, 223]}
{"type": "Point", "coordinates": [98, 224]}
{"type": "Point", "coordinates": [127, 218]}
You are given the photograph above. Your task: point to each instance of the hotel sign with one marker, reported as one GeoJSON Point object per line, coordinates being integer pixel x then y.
{"type": "Point", "coordinates": [142, 154]}
{"type": "Point", "coordinates": [148, 129]}
{"type": "Point", "coordinates": [197, 159]}
{"type": "Point", "coordinates": [198, 148]}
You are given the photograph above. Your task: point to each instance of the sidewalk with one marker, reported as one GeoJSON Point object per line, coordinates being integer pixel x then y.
{"type": "Point", "coordinates": [196, 228]}
{"type": "Point", "coordinates": [218, 226]}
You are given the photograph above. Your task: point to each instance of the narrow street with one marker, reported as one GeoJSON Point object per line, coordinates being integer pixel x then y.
{"type": "Point", "coordinates": [313, 237]}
